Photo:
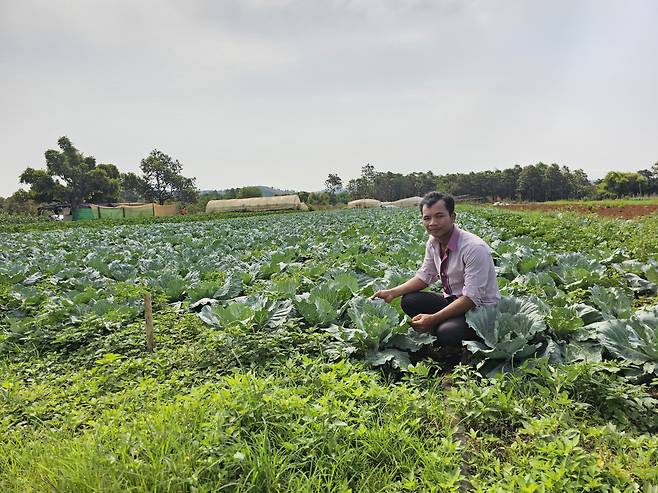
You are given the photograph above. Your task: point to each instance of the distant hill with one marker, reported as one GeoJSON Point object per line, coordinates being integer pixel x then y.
{"type": "Point", "coordinates": [269, 191]}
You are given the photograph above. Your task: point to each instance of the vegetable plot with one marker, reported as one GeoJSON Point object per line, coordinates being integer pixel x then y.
{"type": "Point", "coordinates": [61, 289]}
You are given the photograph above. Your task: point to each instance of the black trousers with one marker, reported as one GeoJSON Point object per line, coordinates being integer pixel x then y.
{"type": "Point", "coordinates": [450, 332]}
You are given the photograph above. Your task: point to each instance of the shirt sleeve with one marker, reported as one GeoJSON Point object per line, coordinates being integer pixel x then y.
{"type": "Point", "coordinates": [427, 272]}
{"type": "Point", "coordinates": [478, 264]}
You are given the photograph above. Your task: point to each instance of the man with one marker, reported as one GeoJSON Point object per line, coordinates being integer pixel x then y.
{"type": "Point", "coordinates": [463, 263]}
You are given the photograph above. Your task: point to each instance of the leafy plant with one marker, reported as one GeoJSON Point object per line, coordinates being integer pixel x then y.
{"type": "Point", "coordinates": [171, 284]}
{"type": "Point", "coordinates": [379, 334]}
{"type": "Point", "coordinates": [510, 332]}
{"type": "Point", "coordinates": [612, 302]}
{"type": "Point", "coordinates": [321, 305]}
{"type": "Point", "coordinates": [564, 320]}
{"type": "Point", "coordinates": [634, 340]}
{"type": "Point", "coordinates": [256, 311]}
{"type": "Point", "coordinates": [574, 270]}
{"type": "Point", "coordinates": [206, 291]}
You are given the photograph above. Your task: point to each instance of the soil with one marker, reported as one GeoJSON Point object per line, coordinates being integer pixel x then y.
{"type": "Point", "coordinates": [630, 211]}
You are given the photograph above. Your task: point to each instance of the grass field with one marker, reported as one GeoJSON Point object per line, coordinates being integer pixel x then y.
{"type": "Point", "coordinates": [272, 371]}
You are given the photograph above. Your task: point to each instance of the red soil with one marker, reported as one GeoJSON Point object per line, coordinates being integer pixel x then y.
{"type": "Point", "coordinates": [617, 211]}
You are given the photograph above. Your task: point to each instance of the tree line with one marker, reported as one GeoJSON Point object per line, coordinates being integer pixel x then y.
{"type": "Point", "coordinates": [71, 177]}
{"type": "Point", "coordinates": [533, 183]}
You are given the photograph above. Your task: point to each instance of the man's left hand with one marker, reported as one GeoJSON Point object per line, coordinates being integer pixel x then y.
{"type": "Point", "coordinates": [423, 322]}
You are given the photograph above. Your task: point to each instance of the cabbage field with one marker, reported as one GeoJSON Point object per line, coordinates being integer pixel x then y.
{"type": "Point", "coordinates": [273, 371]}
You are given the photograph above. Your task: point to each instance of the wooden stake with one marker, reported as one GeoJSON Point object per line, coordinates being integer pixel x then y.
{"type": "Point", "coordinates": [148, 316]}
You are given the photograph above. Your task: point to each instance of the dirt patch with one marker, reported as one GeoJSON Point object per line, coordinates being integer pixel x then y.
{"type": "Point", "coordinates": [617, 211]}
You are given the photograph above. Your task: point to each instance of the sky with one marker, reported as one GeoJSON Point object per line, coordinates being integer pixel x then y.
{"type": "Point", "coordinates": [283, 92]}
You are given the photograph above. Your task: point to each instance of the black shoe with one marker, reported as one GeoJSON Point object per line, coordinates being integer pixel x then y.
{"type": "Point", "coordinates": [447, 354]}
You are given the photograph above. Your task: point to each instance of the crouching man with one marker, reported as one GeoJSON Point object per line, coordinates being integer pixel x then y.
{"type": "Point", "coordinates": [463, 263]}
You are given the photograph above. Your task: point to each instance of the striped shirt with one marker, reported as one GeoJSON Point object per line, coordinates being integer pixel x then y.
{"type": "Point", "coordinates": [466, 269]}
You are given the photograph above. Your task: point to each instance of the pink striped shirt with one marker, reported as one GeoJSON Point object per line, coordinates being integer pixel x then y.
{"type": "Point", "coordinates": [466, 269]}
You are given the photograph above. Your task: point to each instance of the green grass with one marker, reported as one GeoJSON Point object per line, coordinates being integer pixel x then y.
{"type": "Point", "coordinates": [310, 425]}
{"type": "Point", "coordinates": [316, 431]}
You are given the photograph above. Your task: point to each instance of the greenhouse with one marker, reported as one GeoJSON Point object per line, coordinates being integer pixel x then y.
{"type": "Point", "coordinates": [364, 204]}
{"type": "Point", "coordinates": [279, 203]}
{"type": "Point", "coordinates": [408, 202]}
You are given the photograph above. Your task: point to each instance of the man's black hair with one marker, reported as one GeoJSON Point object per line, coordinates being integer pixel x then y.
{"type": "Point", "coordinates": [432, 198]}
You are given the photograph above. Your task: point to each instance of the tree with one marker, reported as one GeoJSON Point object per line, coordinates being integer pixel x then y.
{"type": "Point", "coordinates": [342, 197]}
{"type": "Point", "coordinates": [333, 184]}
{"type": "Point", "coordinates": [423, 183]}
{"type": "Point", "coordinates": [509, 182]}
{"type": "Point", "coordinates": [319, 198]}
{"type": "Point", "coordinates": [357, 188]}
{"type": "Point", "coordinates": [645, 181]}
{"type": "Point", "coordinates": [248, 192]}
{"type": "Point", "coordinates": [368, 172]}
{"type": "Point", "coordinates": [642, 183]}
{"type": "Point", "coordinates": [133, 187]}
{"type": "Point", "coordinates": [102, 189]}
{"type": "Point", "coordinates": [162, 180]}
{"type": "Point", "coordinates": [43, 187]}
{"type": "Point", "coordinates": [20, 202]}
{"type": "Point", "coordinates": [652, 179]}
{"type": "Point", "coordinates": [581, 187]}
{"type": "Point", "coordinates": [230, 193]}
{"type": "Point", "coordinates": [530, 184]}
{"type": "Point", "coordinates": [303, 196]}
{"type": "Point", "coordinates": [619, 184]}
{"type": "Point", "coordinates": [364, 186]}
{"type": "Point", "coordinates": [556, 186]}
{"type": "Point", "coordinates": [71, 177]}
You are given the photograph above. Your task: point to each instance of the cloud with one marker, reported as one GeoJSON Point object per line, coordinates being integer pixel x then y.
{"type": "Point", "coordinates": [290, 90]}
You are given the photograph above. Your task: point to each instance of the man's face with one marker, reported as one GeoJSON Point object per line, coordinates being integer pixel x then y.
{"type": "Point", "coordinates": [437, 220]}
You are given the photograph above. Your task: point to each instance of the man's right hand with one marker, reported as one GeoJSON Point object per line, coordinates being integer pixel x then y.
{"type": "Point", "coordinates": [387, 295]}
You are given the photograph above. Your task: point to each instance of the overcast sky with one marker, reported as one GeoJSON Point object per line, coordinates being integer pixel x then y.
{"type": "Point", "coordinates": [283, 92]}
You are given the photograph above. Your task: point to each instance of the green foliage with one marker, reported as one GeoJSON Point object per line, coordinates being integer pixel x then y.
{"type": "Point", "coordinates": [619, 184]}
{"type": "Point", "coordinates": [378, 335]}
{"type": "Point", "coordinates": [634, 340]}
{"type": "Point", "coordinates": [549, 429]}
{"type": "Point", "coordinates": [72, 177]}
{"type": "Point", "coordinates": [508, 331]}
{"type": "Point", "coordinates": [321, 198]}
{"type": "Point", "coordinates": [207, 291]}
{"type": "Point", "coordinates": [564, 321]}
{"type": "Point", "coordinates": [333, 185]}
{"type": "Point", "coordinates": [256, 311]}
{"type": "Point", "coordinates": [247, 192]}
{"type": "Point", "coordinates": [161, 180]}
{"type": "Point", "coordinates": [17, 208]}
{"type": "Point", "coordinates": [613, 302]}
{"type": "Point", "coordinates": [308, 427]}
{"type": "Point", "coordinates": [538, 182]}
{"type": "Point", "coordinates": [321, 305]}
